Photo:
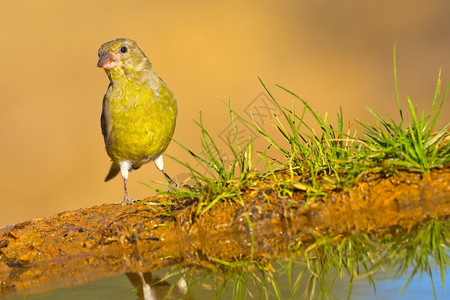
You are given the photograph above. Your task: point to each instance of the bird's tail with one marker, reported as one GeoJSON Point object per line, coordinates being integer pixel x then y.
{"type": "Point", "coordinates": [113, 171]}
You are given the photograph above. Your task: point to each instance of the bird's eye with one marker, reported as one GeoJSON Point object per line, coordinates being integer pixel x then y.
{"type": "Point", "coordinates": [124, 49]}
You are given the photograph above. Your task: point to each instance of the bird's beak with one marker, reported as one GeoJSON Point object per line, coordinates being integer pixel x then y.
{"type": "Point", "coordinates": [107, 61]}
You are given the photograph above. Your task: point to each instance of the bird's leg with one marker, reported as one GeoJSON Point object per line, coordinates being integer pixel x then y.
{"type": "Point", "coordinates": [169, 179]}
{"type": "Point", "coordinates": [126, 197]}
{"type": "Point", "coordinates": [147, 291]}
{"type": "Point", "coordinates": [160, 165]}
{"type": "Point", "coordinates": [124, 170]}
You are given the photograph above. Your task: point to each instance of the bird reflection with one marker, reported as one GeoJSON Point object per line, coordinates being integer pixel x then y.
{"type": "Point", "coordinates": [150, 288]}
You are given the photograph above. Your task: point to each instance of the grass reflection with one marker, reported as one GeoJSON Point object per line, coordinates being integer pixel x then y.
{"type": "Point", "coordinates": [310, 270]}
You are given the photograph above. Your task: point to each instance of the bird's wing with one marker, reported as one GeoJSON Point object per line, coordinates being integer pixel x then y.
{"type": "Point", "coordinates": [105, 124]}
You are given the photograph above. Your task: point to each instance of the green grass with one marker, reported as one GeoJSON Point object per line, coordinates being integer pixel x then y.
{"type": "Point", "coordinates": [412, 143]}
{"type": "Point", "coordinates": [224, 176]}
{"type": "Point", "coordinates": [324, 156]}
{"type": "Point", "coordinates": [327, 153]}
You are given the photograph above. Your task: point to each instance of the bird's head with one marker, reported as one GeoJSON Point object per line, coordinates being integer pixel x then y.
{"type": "Point", "coordinates": [122, 58]}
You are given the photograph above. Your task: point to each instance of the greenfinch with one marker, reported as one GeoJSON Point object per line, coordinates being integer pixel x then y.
{"type": "Point", "coordinates": [139, 110]}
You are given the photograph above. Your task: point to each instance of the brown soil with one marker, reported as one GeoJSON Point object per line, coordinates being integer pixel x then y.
{"type": "Point", "coordinates": [76, 246]}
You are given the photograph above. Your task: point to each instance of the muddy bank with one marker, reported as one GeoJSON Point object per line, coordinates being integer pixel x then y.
{"type": "Point", "coordinates": [76, 246]}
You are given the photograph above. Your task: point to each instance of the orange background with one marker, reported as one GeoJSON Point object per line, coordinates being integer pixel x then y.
{"type": "Point", "coordinates": [332, 53]}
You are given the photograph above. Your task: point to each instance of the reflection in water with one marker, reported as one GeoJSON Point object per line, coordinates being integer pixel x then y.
{"type": "Point", "coordinates": [391, 288]}
{"type": "Point", "coordinates": [150, 288]}
{"type": "Point", "coordinates": [361, 264]}
{"type": "Point", "coordinates": [119, 288]}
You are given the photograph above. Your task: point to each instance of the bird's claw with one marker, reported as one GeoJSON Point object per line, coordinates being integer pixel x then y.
{"type": "Point", "coordinates": [127, 199]}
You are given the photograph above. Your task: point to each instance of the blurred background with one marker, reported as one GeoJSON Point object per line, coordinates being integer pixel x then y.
{"type": "Point", "coordinates": [332, 53]}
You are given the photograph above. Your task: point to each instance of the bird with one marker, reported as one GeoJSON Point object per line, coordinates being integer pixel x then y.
{"type": "Point", "coordinates": [139, 111]}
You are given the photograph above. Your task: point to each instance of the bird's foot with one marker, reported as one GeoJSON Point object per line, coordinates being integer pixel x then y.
{"type": "Point", "coordinates": [127, 199]}
{"type": "Point", "coordinates": [171, 182]}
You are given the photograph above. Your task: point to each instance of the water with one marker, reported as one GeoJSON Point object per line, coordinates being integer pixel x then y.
{"type": "Point", "coordinates": [120, 287]}
{"type": "Point", "coordinates": [419, 288]}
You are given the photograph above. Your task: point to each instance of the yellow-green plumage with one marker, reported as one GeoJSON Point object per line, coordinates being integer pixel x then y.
{"type": "Point", "coordinates": [139, 109]}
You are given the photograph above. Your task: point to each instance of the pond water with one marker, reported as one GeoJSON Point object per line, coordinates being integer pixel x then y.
{"type": "Point", "coordinates": [120, 287]}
